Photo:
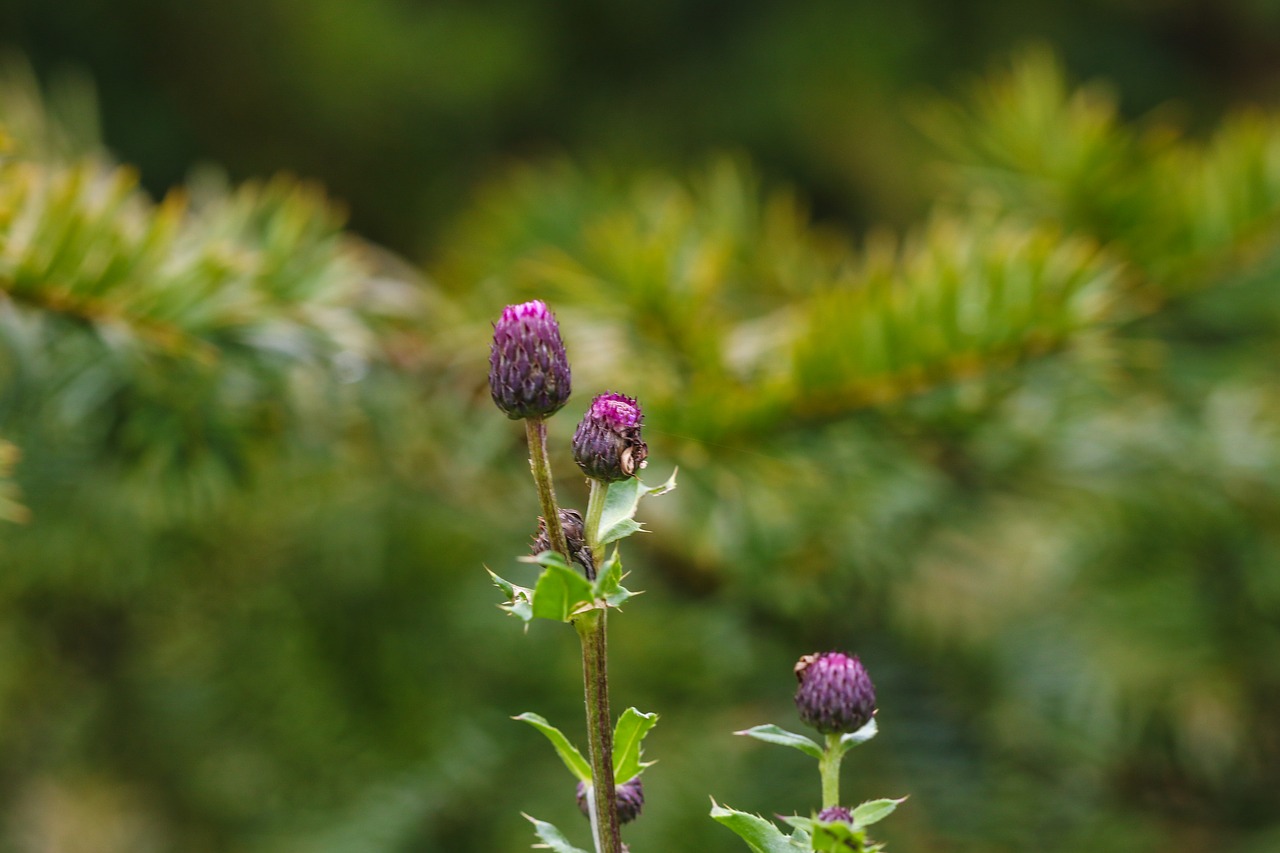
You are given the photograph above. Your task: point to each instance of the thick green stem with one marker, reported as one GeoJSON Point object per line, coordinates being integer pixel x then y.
{"type": "Point", "coordinates": [595, 511]}
{"type": "Point", "coordinates": [536, 430]}
{"type": "Point", "coordinates": [595, 668]}
{"type": "Point", "coordinates": [595, 676]}
{"type": "Point", "coordinates": [591, 631]}
{"type": "Point", "coordinates": [829, 767]}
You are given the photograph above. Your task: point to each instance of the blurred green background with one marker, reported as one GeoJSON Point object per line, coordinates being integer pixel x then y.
{"type": "Point", "coordinates": [960, 321]}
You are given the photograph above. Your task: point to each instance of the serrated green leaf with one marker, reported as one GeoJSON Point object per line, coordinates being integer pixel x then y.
{"type": "Point", "coordinates": [761, 835]}
{"type": "Point", "coordinates": [560, 593]}
{"type": "Point", "coordinates": [617, 598]}
{"type": "Point", "coordinates": [546, 559]}
{"type": "Point", "coordinates": [507, 587]}
{"type": "Point", "coordinates": [804, 824]}
{"type": "Point", "coordinates": [773, 734]}
{"type": "Point", "coordinates": [617, 521]}
{"type": "Point", "coordinates": [628, 738]}
{"type": "Point", "coordinates": [609, 579]}
{"type": "Point", "coordinates": [568, 753]}
{"type": "Point", "coordinates": [861, 736]}
{"type": "Point", "coordinates": [520, 607]}
{"type": "Point", "coordinates": [873, 811]}
{"type": "Point", "coordinates": [551, 837]}
{"type": "Point", "coordinates": [518, 597]}
{"type": "Point", "coordinates": [608, 584]}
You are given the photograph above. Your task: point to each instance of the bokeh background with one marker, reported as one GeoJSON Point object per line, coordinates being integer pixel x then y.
{"type": "Point", "coordinates": [960, 322]}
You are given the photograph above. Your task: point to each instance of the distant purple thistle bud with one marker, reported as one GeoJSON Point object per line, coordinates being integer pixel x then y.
{"type": "Point", "coordinates": [575, 535]}
{"type": "Point", "coordinates": [835, 694]}
{"type": "Point", "coordinates": [630, 799]}
{"type": "Point", "coordinates": [528, 368]}
{"type": "Point", "coordinates": [836, 813]}
{"type": "Point", "coordinates": [607, 444]}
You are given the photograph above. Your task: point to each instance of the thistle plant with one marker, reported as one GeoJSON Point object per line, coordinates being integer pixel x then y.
{"type": "Point", "coordinates": [580, 582]}
{"type": "Point", "coordinates": [836, 697]}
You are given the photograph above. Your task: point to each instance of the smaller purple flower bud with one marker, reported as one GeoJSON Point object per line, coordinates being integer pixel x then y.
{"type": "Point", "coordinates": [528, 368]}
{"type": "Point", "coordinates": [607, 444]}
{"type": "Point", "coordinates": [630, 799]}
{"type": "Point", "coordinates": [835, 694]}
{"type": "Point", "coordinates": [575, 534]}
{"type": "Point", "coordinates": [836, 813]}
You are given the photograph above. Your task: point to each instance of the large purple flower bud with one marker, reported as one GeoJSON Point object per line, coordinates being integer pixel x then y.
{"type": "Point", "coordinates": [607, 444]}
{"type": "Point", "coordinates": [528, 368]}
{"type": "Point", "coordinates": [836, 694]}
{"type": "Point", "coordinates": [630, 799]}
{"type": "Point", "coordinates": [575, 534]}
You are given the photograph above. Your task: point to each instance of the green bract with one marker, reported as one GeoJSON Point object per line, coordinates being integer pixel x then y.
{"type": "Point", "coordinates": [561, 593]}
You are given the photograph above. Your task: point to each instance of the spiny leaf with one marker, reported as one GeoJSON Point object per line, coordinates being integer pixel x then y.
{"type": "Point", "coordinates": [773, 734]}
{"type": "Point", "coordinates": [628, 737]}
{"type": "Point", "coordinates": [761, 835]}
{"type": "Point", "coordinates": [873, 811]}
{"type": "Point", "coordinates": [560, 593]}
{"type": "Point", "coordinates": [620, 504]}
{"type": "Point", "coordinates": [568, 753]}
{"type": "Point", "coordinates": [551, 837]}
{"type": "Point", "coordinates": [851, 739]}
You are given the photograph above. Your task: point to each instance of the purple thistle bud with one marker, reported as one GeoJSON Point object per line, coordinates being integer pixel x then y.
{"type": "Point", "coordinates": [630, 799]}
{"type": "Point", "coordinates": [575, 534]}
{"type": "Point", "coordinates": [835, 694]}
{"type": "Point", "coordinates": [607, 444]}
{"type": "Point", "coordinates": [528, 368]}
{"type": "Point", "coordinates": [836, 813]}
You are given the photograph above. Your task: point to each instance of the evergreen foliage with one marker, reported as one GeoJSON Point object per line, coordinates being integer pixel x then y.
{"type": "Point", "coordinates": [1029, 450]}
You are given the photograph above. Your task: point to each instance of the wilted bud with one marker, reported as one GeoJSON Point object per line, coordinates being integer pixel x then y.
{"type": "Point", "coordinates": [575, 534]}
{"type": "Point", "coordinates": [528, 368]}
{"type": "Point", "coordinates": [836, 694]}
{"type": "Point", "coordinates": [836, 813]}
{"type": "Point", "coordinates": [630, 799]}
{"type": "Point", "coordinates": [607, 444]}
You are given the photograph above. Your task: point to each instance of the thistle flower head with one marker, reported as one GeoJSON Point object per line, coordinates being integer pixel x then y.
{"type": "Point", "coordinates": [607, 444]}
{"type": "Point", "coordinates": [528, 368]}
{"type": "Point", "coordinates": [835, 694]}
{"type": "Point", "coordinates": [630, 799]}
{"type": "Point", "coordinates": [575, 534]}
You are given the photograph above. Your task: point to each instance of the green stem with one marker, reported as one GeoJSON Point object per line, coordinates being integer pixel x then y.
{"type": "Point", "coordinates": [829, 767]}
{"type": "Point", "coordinates": [595, 676]}
{"type": "Point", "coordinates": [536, 430]}
{"type": "Point", "coordinates": [592, 629]}
{"type": "Point", "coordinates": [595, 511]}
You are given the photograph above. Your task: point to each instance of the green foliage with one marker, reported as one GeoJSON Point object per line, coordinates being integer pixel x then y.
{"type": "Point", "coordinates": [1035, 440]}
{"type": "Point", "coordinates": [621, 502]}
{"type": "Point", "coordinates": [181, 341]}
{"type": "Point", "coordinates": [1027, 454]}
{"type": "Point", "coordinates": [628, 742]}
{"type": "Point", "coordinates": [629, 735]}
{"type": "Point", "coordinates": [552, 838]}
{"type": "Point", "coordinates": [761, 835]}
{"type": "Point", "coordinates": [1177, 208]}
{"type": "Point", "coordinates": [561, 593]}
{"type": "Point", "coordinates": [10, 507]}
{"type": "Point", "coordinates": [770, 733]}
{"type": "Point", "coordinates": [568, 753]}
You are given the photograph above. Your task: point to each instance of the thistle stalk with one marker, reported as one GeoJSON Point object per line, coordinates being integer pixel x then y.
{"type": "Point", "coordinates": [595, 676]}
{"type": "Point", "coordinates": [536, 430]}
{"type": "Point", "coordinates": [829, 767]}
{"type": "Point", "coordinates": [592, 631]}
